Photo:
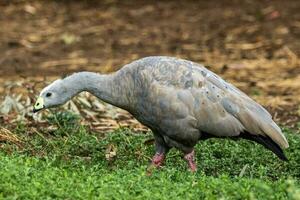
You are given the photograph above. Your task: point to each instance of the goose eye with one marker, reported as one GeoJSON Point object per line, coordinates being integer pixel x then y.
{"type": "Point", "coordinates": [48, 94]}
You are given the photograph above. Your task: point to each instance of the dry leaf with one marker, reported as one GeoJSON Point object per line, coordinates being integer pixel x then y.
{"type": "Point", "coordinates": [110, 152]}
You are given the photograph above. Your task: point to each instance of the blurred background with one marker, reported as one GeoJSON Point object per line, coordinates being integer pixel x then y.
{"type": "Point", "coordinates": [253, 44]}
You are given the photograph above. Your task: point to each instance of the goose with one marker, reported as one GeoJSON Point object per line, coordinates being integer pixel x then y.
{"type": "Point", "coordinates": [181, 101]}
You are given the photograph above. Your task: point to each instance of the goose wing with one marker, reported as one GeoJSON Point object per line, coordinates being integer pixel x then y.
{"type": "Point", "coordinates": [227, 111]}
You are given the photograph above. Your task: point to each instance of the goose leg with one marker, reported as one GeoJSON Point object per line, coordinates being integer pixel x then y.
{"type": "Point", "coordinates": [158, 159]}
{"type": "Point", "coordinates": [189, 153]}
{"type": "Point", "coordinates": [190, 158]}
{"type": "Point", "coordinates": [161, 150]}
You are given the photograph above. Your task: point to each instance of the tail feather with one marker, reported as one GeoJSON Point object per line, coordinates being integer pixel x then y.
{"type": "Point", "coordinates": [267, 142]}
{"type": "Point", "coordinates": [274, 132]}
{"type": "Point", "coordinates": [258, 121]}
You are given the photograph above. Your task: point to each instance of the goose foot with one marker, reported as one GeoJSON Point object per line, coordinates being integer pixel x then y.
{"type": "Point", "coordinates": [156, 162]}
{"type": "Point", "coordinates": [158, 159]}
{"type": "Point", "coordinates": [190, 158]}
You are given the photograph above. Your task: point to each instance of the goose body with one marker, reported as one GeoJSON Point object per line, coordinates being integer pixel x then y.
{"type": "Point", "coordinates": [182, 102]}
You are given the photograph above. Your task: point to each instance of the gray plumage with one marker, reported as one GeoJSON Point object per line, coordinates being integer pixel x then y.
{"type": "Point", "coordinates": [180, 101]}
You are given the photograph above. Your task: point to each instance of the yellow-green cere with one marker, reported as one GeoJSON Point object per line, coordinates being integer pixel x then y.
{"type": "Point", "coordinates": [39, 104]}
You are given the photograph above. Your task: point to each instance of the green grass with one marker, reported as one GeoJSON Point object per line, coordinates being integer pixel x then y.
{"type": "Point", "coordinates": [71, 163]}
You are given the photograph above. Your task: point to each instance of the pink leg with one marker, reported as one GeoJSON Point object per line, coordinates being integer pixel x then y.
{"type": "Point", "coordinates": [158, 159]}
{"type": "Point", "coordinates": [190, 158]}
{"type": "Point", "coordinates": [156, 162]}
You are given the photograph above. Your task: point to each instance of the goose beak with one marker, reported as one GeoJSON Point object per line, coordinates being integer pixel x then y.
{"type": "Point", "coordinates": [39, 105]}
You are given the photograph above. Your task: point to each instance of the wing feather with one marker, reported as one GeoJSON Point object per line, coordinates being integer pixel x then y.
{"type": "Point", "coordinates": [242, 113]}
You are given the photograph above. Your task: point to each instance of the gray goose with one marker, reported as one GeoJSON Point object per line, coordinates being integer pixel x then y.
{"type": "Point", "coordinates": [182, 102]}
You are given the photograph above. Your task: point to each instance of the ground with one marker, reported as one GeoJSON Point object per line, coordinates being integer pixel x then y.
{"type": "Point", "coordinates": [252, 44]}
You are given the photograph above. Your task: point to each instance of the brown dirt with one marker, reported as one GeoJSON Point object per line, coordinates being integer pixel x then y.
{"type": "Point", "coordinates": [253, 44]}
